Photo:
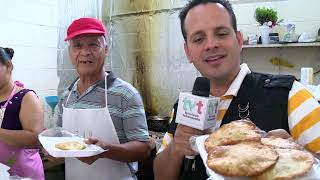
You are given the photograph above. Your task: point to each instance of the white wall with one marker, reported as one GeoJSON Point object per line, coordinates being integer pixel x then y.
{"type": "Point", "coordinates": [306, 16]}
{"type": "Point", "coordinates": [31, 29]}
{"type": "Point", "coordinates": [35, 29]}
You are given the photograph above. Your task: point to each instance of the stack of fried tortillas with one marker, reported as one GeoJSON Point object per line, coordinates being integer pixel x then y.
{"type": "Point", "coordinates": [237, 149]}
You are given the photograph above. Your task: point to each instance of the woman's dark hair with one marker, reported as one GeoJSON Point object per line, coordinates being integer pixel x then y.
{"type": "Point", "coordinates": [6, 54]}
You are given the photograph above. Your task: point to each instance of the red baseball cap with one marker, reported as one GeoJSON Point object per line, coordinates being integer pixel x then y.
{"type": "Point", "coordinates": [85, 26]}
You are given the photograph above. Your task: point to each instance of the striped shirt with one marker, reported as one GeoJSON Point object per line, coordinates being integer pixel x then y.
{"type": "Point", "coordinates": [304, 117]}
{"type": "Point", "coordinates": [303, 113]}
{"type": "Point", "coordinates": [124, 104]}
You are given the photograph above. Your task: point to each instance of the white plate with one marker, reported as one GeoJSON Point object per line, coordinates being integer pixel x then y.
{"type": "Point", "coordinates": [48, 144]}
{"type": "Point", "coordinates": [4, 174]}
{"type": "Point", "coordinates": [314, 173]}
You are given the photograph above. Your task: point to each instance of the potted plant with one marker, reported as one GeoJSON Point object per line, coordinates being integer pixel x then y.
{"type": "Point", "coordinates": [267, 18]}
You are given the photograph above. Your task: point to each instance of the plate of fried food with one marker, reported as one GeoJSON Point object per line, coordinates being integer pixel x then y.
{"type": "Point", "coordinates": [239, 150]}
{"type": "Point", "coordinates": [60, 143]}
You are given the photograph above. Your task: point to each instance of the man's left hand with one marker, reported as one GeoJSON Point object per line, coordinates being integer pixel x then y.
{"type": "Point", "coordinates": [92, 159]}
{"type": "Point", "coordinates": [97, 142]}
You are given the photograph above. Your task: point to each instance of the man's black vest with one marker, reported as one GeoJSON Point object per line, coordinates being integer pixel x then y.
{"type": "Point", "coordinates": [263, 98]}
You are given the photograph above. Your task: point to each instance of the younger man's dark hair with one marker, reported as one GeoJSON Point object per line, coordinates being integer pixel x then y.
{"type": "Point", "coordinates": [191, 4]}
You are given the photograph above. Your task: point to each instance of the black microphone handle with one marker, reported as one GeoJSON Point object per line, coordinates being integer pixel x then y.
{"type": "Point", "coordinates": [189, 160]}
{"type": "Point", "coordinates": [201, 87]}
{"type": "Point", "coordinates": [187, 166]}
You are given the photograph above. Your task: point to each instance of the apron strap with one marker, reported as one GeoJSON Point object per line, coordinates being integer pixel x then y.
{"type": "Point", "coordinates": [106, 89]}
{"type": "Point", "coordinates": [74, 84]}
{"type": "Point", "coordinates": [105, 92]}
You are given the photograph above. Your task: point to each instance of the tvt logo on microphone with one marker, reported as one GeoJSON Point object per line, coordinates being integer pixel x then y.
{"type": "Point", "coordinates": [197, 106]}
{"type": "Point", "coordinates": [197, 111]}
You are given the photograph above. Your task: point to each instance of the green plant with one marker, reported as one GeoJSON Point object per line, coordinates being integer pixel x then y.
{"type": "Point", "coordinates": [266, 15]}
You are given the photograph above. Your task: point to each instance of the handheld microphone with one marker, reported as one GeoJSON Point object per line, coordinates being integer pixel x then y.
{"type": "Point", "coordinates": [197, 110]}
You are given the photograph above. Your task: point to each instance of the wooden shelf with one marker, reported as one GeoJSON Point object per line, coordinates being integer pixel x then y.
{"type": "Point", "coordinates": [311, 44]}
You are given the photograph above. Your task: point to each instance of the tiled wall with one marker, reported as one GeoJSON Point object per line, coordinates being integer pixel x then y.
{"type": "Point", "coordinates": [31, 29]}
{"type": "Point", "coordinates": [35, 29]}
{"type": "Point", "coordinates": [147, 47]}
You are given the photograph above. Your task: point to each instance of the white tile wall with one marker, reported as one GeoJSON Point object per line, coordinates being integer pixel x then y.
{"type": "Point", "coordinates": [37, 79]}
{"type": "Point", "coordinates": [31, 29]}
{"type": "Point", "coordinates": [29, 57]}
{"type": "Point", "coordinates": [26, 34]}
{"type": "Point", "coordinates": [39, 12]}
{"type": "Point", "coordinates": [34, 45]}
{"type": "Point", "coordinates": [35, 29]}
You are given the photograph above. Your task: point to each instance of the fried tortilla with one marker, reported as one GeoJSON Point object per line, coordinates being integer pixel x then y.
{"type": "Point", "coordinates": [71, 145]}
{"type": "Point", "coordinates": [243, 159]}
{"type": "Point", "coordinates": [292, 163]}
{"type": "Point", "coordinates": [233, 133]}
{"type": "Point", "coordinates": [280, 143]}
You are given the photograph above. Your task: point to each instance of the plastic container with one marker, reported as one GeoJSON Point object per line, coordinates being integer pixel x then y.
{"type": "Point", "coordinates": [265, 31]}
{"type": "Point", "coordinates": [306, 77]}
{"type": "Point", "coordinates": [273, 38]}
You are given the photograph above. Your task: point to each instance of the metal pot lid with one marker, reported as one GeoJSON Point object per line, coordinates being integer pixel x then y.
{"type": "Point", "coordinates": [157, 118]}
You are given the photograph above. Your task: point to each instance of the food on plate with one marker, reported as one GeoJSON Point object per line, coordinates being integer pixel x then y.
{"type": "Point", "coordinates": [232, 133]}
{"type": "Point", "coordinates": [291, 164]}
{"type": "Point", "coordinates": [237, 150]}
{"type": "Point", "coordinates": [71, 145]}
{"type": "Point", "coordinates": [280, 143]}
{"type": "Point", "coordinates": [242, 159]}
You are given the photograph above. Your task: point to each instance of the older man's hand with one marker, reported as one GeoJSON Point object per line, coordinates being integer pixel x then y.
{"type": "Point", "coordinates": [97, 142]}
{"type": "Point", "coordinates": [92, 159]}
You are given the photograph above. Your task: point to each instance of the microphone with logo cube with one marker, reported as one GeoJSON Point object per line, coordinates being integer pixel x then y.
{"type": "Point", "coordinates": [197, 110]}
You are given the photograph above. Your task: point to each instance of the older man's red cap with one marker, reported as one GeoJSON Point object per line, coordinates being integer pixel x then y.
{"type": "Point", "coordinates": [85, 26]}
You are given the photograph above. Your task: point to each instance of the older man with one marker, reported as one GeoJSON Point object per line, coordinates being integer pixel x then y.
{"type": "Point", "coordinates": [102, 106]}
{"type": "Point", "coordinates": [273, 102]}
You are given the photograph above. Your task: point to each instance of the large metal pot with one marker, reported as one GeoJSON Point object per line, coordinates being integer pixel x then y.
{"type": "Point", "coordinates": [158, 124]}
